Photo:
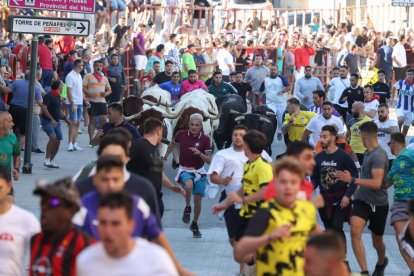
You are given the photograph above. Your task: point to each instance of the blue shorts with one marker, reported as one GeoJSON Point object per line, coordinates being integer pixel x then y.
{"type": "Point", "coordinates": [49, 130]}
{"type": "Point", "coordinates": [118, 5]}
{"type": "Point", "coordinates": [199, 187]}
{"type": "Point", "coordinates": [77, 115]}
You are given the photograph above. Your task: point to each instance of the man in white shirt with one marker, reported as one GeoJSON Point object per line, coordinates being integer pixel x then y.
{"type": "Point", "coordinates": [339, 84]}
{"type": "Point", "coordinates": [225, 61]}
{"type": "Point", "coordinates": [276, 87]}
{"type": "Point", "coordinates": [399, 58]}
{"type": "Point", "coordinates": [17, 226]}
{"type": "Point", "coordinates": [74, 103]}
{"type": "Point", "coordinates": [316, 124]}
{"type": "Point", "coordinates": [226, 169]}
{"type": "Point", "coordinates": [118, 253]}
{"type": "Point", "coordinates": [386, 126]}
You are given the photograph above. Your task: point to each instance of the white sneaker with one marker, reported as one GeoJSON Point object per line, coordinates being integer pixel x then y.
{"type": "Point", "coordinates": [47, 163]}
{"type": "Point", "coordinates": [80, 130]}
{"type": "Point", "coordinates": [70, 147]}
{"type": "Point", "coordinates": [77, 148]}
{"type": "Point", "coordinates": [54, 165]}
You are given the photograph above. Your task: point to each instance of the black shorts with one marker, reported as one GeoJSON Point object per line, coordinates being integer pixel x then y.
{"type": "Point", "coordinates": [19, 115]}
{"type": "Point", "coordinates": [97, 109]}
{"type": "Point", "coordinates": [376, 215]}
{"type": "Point", "coordinates": [241, 228]}
{"type": "Point", "coordinates": [231, 217]}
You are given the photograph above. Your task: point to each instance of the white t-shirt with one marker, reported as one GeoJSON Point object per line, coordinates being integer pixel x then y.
{"type": "Point", "coordinates": [373, 105]}
{"type": "Point", "coordinates": [228, 162]}
{"type": "Point", "coordinates": [384, 138]}
{"type": "Point", "coordinates": [224, 59]}
{"type": "Point", "coordinates": [318, 122]}
{"type": "Point", "coordinates": [17, 226]}
{"type": "Point", "coordinates": [74, 80]}
{"type": "Point", "coordinates": [339, 85]}
{"type": "Point", "coordinates": [399, 52]}
{"type": "Point", "coordinates": [145, 259]}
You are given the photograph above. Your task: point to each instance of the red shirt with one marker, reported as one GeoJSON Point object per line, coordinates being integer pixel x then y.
{"type": "Point", "coordinates": [302, 56]}
{"type": "Point", "coordinates": [59, 258]}
{"type": "Point", "coordinates": [64, 44]}
{"type": "Point", "coordinates": [45, 57]}
{"type": "Point", "coordinates": [186, 141]}
{"type": "Point", "coordinates": [305, 186]}
{"type": "Point", "coordinates": [187, 86]}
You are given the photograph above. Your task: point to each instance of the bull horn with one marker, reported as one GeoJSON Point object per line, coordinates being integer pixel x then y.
{"type": "Point", "coordinates": [240, 118]}
{"type": "Point", "coordinates": [211, 108]}
{"type": "Point", "coordinates": [135, 116]}
{"type": "Point", "coordinates": [145, 101]}
{"type": "Point", "coordinates": [232, 111]}
{"type": "Point", "coordinates": [172, 115]}
{"type": "Point", "coordinates": [269, 113]}
{"type": "Point", "coordinates": [262, 119]}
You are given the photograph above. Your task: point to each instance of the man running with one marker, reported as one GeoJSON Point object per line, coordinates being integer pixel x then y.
{"type": "Point", "coordinates": [405, 108]}
{"type": "Point", "coordinates": [195, 151]}
{"type": "Point", "coordinates": [371, 199]}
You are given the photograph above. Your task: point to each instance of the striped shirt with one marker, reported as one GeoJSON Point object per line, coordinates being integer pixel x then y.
{"type": "Point", "coordinates": [405, 95]}
{"type": "Point", "coordinates": [94, 88]}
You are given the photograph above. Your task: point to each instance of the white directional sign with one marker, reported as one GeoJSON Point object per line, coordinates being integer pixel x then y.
{"type": "Point", "coordinates": [48, 25]}
{"type": "Point", "coordinates": [402, 3]}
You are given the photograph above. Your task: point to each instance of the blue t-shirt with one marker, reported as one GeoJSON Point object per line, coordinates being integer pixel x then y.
{"type": "Point", "coordinates": [174, 89]}
{"type": "Point", "coordinates": [402, 175]}
{"type": "Point", "coordinates": [145, 222]}
{"type": "Point", "coordinates": [133, 130]}
{"type": "Point", "coordinates": [20, 90]}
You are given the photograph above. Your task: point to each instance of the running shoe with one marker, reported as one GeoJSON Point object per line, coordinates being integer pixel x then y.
{"type": "Point", "coordinates": [195, 230]}
{"type": "Point", "coordinates": [186, 214]}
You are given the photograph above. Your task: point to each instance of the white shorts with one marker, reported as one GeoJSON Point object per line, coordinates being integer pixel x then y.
{"type": "Point", "coordinates": [140, 62]}
{"type": "Point", "coordinates": [407, 115]}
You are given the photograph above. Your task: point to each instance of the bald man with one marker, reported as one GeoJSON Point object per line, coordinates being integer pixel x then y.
{"type": "Point", "coordinates": [9, 147]}
{"type": "Point", "coordinates": [358, 118]}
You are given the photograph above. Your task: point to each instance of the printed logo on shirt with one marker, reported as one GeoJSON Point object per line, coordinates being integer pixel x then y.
{"type": "Point", "coordinates": [6, 237]}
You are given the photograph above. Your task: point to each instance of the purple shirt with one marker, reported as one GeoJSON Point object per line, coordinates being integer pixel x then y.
{"type": "Point", "coordinates": [141, 42]}
{"type": "Point", "coordinates": [186, 141]}
{"type": "Point", "coordinates": [145, 222]}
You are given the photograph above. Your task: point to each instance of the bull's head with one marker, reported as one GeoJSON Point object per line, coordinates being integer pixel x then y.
{"type": "Point", "coordinates": [261, 119]}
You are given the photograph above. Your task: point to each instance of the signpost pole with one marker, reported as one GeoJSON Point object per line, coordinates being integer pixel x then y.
{"type": "Point", "coordinates": [407, 12]}
{"type": "Point", "coordinates": [27, 163]}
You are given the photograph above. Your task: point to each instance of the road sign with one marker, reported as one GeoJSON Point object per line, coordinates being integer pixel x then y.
{"type": "Point", "coordinates": [48, 25]}
{"type": "Point", "coordinates": [402, 3]}
{"type": "Point", "coordinates": [81, 6]}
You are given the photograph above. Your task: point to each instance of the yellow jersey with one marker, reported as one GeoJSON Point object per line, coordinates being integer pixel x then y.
{"type": "Point", "coordinates": [296, 130]}
{"type": "Point", "coordinates": [356, 141]}
{"type": "Point", "coordinates": [283, 256]}
{"type": "Point", "coordinates": [256, 175]}
{"type": "Point", "coordinates": [369, 76]}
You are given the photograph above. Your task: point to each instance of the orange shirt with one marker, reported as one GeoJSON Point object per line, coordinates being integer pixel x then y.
{"type": "Point", "coordinates": [340, 143]}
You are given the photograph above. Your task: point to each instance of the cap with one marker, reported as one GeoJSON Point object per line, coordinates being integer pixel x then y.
{"type": "Point", "coordinates": [72, 52]}
{"type": "Point", "coordinates": [63, 189]}
{"type": "Point", "coordinates": [191, 45]}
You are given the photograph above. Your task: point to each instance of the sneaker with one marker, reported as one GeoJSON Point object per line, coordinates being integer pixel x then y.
{"type": "Point", "coordinates": [70, 147]}
{"type": "Point", "coordinates": [53, 165]}
{"type": "Point", "coordinates": [186, 214]}
{"type": "Point", "coordinates": [379, 269]}
{"type": "Point", "coordinates": [195, 230]}
{"type": "Point", "coordinates": [47, 163]}
{"type": "Point", "coordinates": [37, 150]}
{"type": "Point", "coordinates": [90, 146]}
{"type": "Point", "coordinates": [80, 131]}
{"type": "Point", "coordinates": [77, 148]}
{"type": "Point", "coordinates": [279, 136]}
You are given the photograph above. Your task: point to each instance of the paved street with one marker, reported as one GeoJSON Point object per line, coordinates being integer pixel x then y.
{"type": "Point", "coordinates": [210, 255]}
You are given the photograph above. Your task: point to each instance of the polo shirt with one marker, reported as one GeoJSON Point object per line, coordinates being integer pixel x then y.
{"type": "Point", "coordinates": [173, 89]}
{"type": "Point", "coordinates": [53, 105]}
{"type": "Point", "coordinates": [221, 90]}
{"type": "Point", "coordinates": [188, 86]}
{"type": "Point", "coordinates": [186, 141]}
{"type": "Point", "coordinates": [134, 132]}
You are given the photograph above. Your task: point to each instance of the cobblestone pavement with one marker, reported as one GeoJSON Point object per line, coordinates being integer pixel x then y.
{"type": "Point", "coordinates": [210, 255]}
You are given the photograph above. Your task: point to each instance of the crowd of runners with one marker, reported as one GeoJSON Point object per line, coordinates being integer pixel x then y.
{"type": "Point", "coordinates": [344, 146]}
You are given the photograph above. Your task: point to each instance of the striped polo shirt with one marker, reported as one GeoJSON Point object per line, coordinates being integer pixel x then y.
{"type": "Point", "coordinates": [95, 88]}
